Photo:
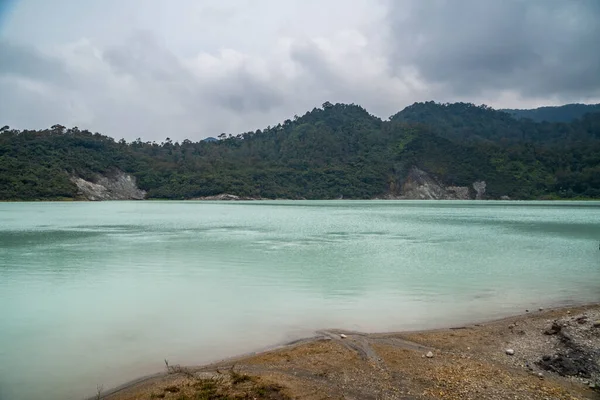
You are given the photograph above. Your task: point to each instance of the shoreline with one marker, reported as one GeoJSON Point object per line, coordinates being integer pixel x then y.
{"type": "Point", "coordinates": [355, 342]}
{"type": "Point", "coordinates": [382, 200]}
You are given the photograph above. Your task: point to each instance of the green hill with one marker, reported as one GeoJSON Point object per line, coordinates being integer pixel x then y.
{"type": "Point", "coordinates": [330, 152]}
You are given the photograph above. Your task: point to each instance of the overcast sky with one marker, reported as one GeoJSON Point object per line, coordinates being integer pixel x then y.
{"type": "Point", "coordinates": [195, 68]}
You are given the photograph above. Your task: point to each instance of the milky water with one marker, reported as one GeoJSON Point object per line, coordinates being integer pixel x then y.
{"type": "Point", "coordinates": [100, 293]}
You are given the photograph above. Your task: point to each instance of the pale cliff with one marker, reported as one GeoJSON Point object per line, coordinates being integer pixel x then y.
{"type": "Point", "coordinates": [116, 186]}
{"type": "Point", "coordinates": [420, 185]}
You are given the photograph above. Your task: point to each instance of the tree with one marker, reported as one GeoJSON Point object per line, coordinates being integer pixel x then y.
{"type": "Point", "coordinates": [57, 128]}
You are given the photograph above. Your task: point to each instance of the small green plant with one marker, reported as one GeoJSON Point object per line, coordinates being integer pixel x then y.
{"type": "Point", "coordinates": [237, 377]}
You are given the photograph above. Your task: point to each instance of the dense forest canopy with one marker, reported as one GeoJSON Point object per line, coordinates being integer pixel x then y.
{"type": "Point", "coordinates": [566, 113]}
{"type": "Point", "coordinates": [337, 150]}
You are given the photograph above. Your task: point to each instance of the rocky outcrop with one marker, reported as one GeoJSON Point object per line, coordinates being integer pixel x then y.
{"type": "Point", "coordinates": [457, 193]}
{"type": "Point", "coordinates": [419, 185]}
{"type": "Point", "coordinates": [117, 186]}
{"type": "Point", "coordinates": [479, 189]}
{"type": "Point", "coordinates": [574, 351]}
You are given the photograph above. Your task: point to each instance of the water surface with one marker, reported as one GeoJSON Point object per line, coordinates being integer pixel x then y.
{"type": "Point", "coordinates": [100, 293]}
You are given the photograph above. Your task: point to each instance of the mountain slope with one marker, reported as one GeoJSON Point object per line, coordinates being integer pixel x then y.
{"type": "Point", "coordinates": [468, 123]}
{"type": "Point", "coordinates": [566, 113]}
{"type": "Point", "coordinates": [336, 151]}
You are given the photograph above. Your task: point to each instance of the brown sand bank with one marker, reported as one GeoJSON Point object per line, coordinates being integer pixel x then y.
{"type": "Point", "coordinates": [556, 356]}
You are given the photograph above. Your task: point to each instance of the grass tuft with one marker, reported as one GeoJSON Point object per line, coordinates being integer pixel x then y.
{"type": "Point", "coordinates": [233, 385]}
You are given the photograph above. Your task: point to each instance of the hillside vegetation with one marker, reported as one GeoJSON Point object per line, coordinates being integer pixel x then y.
{"type": "Point", "coordinates": [566, 113]}
{"type": "Point", "coordinates": [330, 152]}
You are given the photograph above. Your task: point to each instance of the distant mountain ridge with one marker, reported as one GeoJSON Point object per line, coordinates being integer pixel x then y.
{"type": "Point", "coordinates": [565, 113]}
{"type": "Point", "coordinates": [428, 150]}
{"type": "Point", "coordinates": [466, 122]}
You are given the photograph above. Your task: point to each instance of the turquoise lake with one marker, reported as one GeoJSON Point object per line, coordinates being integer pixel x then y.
{"type": "Point", "coordinates": [101, 293]}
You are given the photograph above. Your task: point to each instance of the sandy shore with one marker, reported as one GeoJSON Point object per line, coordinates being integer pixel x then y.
{"type": "Point", "coordinates": [552, 354]}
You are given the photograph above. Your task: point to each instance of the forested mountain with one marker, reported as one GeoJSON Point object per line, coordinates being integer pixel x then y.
{"type": "Point", "coordinates": [330, 152]}
{"type": "Point", "coordinates": [465, 122]}
{"type": "Point", "coordinates": [566, 113]}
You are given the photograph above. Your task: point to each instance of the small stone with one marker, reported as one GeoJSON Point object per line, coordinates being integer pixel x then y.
{"type": "Point", "coordinates": [510, 352]}
{"type": "Point", "coordinates": [596, 324]}
{"type": "Point", "coordinates": [592, 385]}
{"type": "Point", "coordinates": [556, 327]}
{"type": "Point", "coordinates": [526, 310]}
{"type": "Point", "coordinates": [568, 312]}
{"type": "Point", "coordinates": [541, 309]}
{"type": "Point", "coordinates": [429, 355]}
{"type": "Point", "coordinates": [540, 375]}
{"type": "Point", "coordinates": [343, 336]}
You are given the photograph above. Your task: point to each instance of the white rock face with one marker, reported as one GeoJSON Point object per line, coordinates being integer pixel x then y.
{"type": "Point", "coordinates": [419, 185]}
{"type": "Point", "coordinates": [119, 186]}
{"type": "Point", "coordinates": [480, 189]}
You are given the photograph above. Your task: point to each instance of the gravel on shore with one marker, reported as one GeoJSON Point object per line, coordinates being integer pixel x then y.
{"type": "Point", "coordinates": [555, 355]}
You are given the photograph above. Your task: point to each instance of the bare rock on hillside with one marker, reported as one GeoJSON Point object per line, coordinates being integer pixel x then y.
{"type": "Point", "coordinates": [116, 186]}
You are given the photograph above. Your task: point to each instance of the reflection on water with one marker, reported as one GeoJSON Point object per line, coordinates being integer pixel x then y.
{"type": "Point", "coordinates": [99, 293]}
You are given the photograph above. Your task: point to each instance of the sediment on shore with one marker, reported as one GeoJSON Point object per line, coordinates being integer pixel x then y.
{"type": "Point", "coordinates": [551, 354]}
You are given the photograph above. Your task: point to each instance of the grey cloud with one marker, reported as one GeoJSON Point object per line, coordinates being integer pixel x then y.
{"type": "Point", "coordinates": [206, 67]}
{"type": "Point", "coordinates": [324, 81]}
{"type": "Point", "coordinates": [317, 71]}
{"type": "Point", "coordinates": [27, 62]}
{"type": "Point", "coordinates": [535, 47]}
{"type": "Point", "coordinates": [244, 92]}
{"type": "Point", "coordinates": [16, 103]}
{"type": "Point", "coordinates": [144, 58]}
{"type": "Point", "coordinates": [161, 94]}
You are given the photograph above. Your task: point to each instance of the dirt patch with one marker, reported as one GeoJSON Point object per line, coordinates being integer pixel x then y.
{"type": "Point", "coordinates": [554, 355]}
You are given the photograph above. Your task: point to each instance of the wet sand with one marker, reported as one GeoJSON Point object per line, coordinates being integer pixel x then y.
{"type": "Point", "coordinates": [556, 356]}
